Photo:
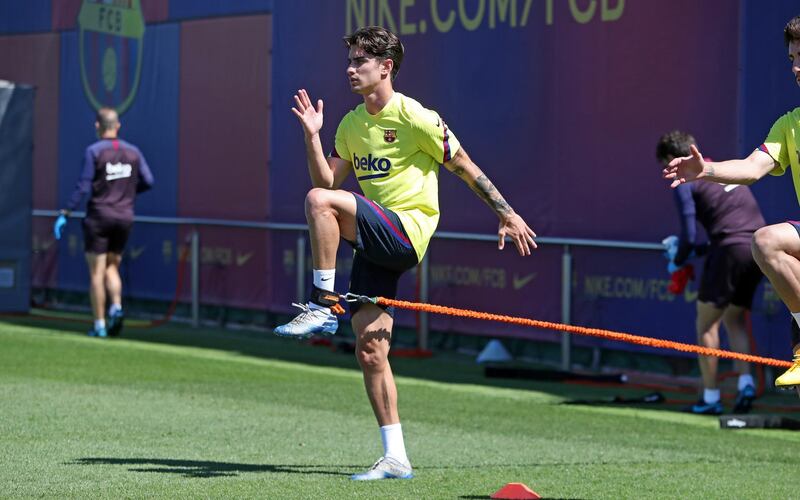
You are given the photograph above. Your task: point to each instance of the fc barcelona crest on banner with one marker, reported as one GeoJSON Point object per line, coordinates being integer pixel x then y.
{"type": "Point", "coordinates": [390, 135]}
{"type": "Point", "coordinates": [111, 35]}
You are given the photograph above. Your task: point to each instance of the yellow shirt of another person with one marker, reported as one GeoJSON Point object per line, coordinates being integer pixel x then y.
{"type": "Point", "coordinates": [396, 155]}
{"type": "Point", "coordinates": [781, 145]}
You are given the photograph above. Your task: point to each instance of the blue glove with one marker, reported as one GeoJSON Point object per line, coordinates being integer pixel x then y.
{"type": "Point", "coordinates": [58, 227]}
{"type": "Point", "coordinates": [671, 250]}
{"type": "Point", "coordinates": [670, 247]}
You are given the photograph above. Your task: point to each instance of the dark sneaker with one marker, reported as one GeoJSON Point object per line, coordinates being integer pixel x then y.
{"type": "Point", "coordinates": [115, 321]}
{"type": "Point", "coordinates": [744, 400]}
{"type": "Point", "coordinates": [703, 408]}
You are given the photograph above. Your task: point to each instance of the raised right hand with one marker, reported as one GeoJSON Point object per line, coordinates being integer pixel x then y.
{"type": "Point", "coordinates": [685, 169]}
{"type": "Point", "coordinates": [310, 118]}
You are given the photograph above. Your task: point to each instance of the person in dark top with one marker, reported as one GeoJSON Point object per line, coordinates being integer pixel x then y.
{"type": "Point", "coordinates": [730, 215]}
{"type": "Point", "coordinates": [114, 172]}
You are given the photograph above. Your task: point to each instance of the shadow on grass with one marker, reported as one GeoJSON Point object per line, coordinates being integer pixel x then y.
{"type": "Point", "coordinates": [205, 468]}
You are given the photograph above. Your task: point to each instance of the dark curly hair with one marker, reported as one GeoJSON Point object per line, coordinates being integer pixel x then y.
{"type": "Point", "coordinates": [378, 42]}
{"type": "Point", "coordinates": [674, 144]}
{"type": "Point", "coordinates": [791, 33]}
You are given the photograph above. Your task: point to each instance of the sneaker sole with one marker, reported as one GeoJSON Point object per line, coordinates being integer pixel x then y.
{"type": "Point", "coordinates": [385, 476]}
{"type": "Point", "coordinates": [301, 336]}
{"type": "Point", "coordinates": [704, 412]}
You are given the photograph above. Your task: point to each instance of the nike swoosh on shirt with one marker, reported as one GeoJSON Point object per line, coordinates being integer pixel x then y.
{"type": "Point", "coordinates": [521, 282]}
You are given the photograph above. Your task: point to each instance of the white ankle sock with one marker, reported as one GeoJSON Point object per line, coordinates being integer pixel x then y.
{"type": "Point", "coordinates": [745, 380]}
{"type": "Point", "coordinates": [324, 278]}
{"type": "Point", "coordinates": [114, 309]}
{"type": "Point", "coordinates": [392, 437]}
{"type": "Point", "coordinates": [99, 323]}
{"type": "Point", "coordinates": [710, 396]}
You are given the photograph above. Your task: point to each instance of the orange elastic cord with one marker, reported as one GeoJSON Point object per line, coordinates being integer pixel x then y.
{"type": "Point", "coordinates": [593, 332]}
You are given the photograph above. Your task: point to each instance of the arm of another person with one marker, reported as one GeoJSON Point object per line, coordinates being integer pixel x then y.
{"type": "Point", "coordinates": [82, 187]}
{"type": "Point", "coordinates": [325, 172]}
{"type": "Point", "coordinates": [84, 184]}
{"type": "Point", "coordinates": [511, 224]}
{"type": "Point", "coordinates": [146, 179]}
{"type": "Point", "coordinates": [694, 167]}
{"type": "Point", "coordinates": [687, 211]}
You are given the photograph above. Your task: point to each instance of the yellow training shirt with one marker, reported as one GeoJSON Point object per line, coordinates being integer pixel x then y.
{"type": "Point", "coordinates": [781, 145]}
{"type": "Point", "coordinates": [396, 155]}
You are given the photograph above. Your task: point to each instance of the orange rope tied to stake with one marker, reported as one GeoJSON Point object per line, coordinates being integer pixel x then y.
{"type": "Point", "coordinates": [593, 332]}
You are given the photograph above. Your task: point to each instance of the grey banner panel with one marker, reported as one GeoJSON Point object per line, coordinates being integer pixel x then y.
{"type": "Point", "coordinates": [16, 162]}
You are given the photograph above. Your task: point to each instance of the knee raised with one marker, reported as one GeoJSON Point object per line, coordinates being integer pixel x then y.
{"type": "Point", "coordinates": [766, 242]}
{"type": "Point", "coordinates": [317, 199]}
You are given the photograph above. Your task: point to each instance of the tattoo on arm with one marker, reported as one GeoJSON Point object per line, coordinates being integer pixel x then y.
{"type": "Point", "coordinates": [484, 188]}
{"type": "Point", "coordinates": [709, 170]}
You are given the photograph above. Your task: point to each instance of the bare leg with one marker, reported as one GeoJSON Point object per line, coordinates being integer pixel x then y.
{"type": "Point", "coordinates": [776, 250]}
{"type": "Point", "coordinates": [331, 214]}
{"type": "Point", "coordinates": [373, 329]}
{"type": "Point", "coordinates": [735, 320]}
{"type": "Point", "coordinates": [708, 320]}
{"type": "Point", "coordinates": [113, 280]}
{"type": "Point", "coordinates": [97, 285]}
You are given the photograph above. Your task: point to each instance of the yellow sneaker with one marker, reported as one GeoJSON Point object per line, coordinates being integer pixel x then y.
{"type": "Point", "coordinates": [790, 377]}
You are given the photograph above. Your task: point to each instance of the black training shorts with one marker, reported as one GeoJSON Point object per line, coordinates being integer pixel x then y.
{"type": "Point", "coordinates": [103, 235]}
{"type": "Point", "coordinates": [383, 252]}
{"type": "Point", "coordinates": [730, 276]}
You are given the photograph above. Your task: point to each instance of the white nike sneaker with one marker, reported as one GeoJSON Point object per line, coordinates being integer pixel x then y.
{"type": "Point", "coordinates": [386, 468]}
{"type": "Point", "coordinates": [309, 322]}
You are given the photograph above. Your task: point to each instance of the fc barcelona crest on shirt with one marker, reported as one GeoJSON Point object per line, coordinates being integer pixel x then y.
{"type": "Point", "coordinates": [390, 135]}
{"type": "Point", "coordinates": [111, 35]}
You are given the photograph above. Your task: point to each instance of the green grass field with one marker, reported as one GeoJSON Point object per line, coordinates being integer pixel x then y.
{"type": "Point", "coordinates": [181, 413]}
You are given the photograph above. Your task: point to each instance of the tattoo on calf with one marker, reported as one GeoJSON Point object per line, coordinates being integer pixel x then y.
{"type": "Point", "coordinates": [386, 403]}
{"type": "Point", "coordinates": [486, 190]}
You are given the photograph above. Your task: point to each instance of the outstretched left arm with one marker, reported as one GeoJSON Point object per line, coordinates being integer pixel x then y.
{"type": "Point", "coordinates": [511, 224]}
